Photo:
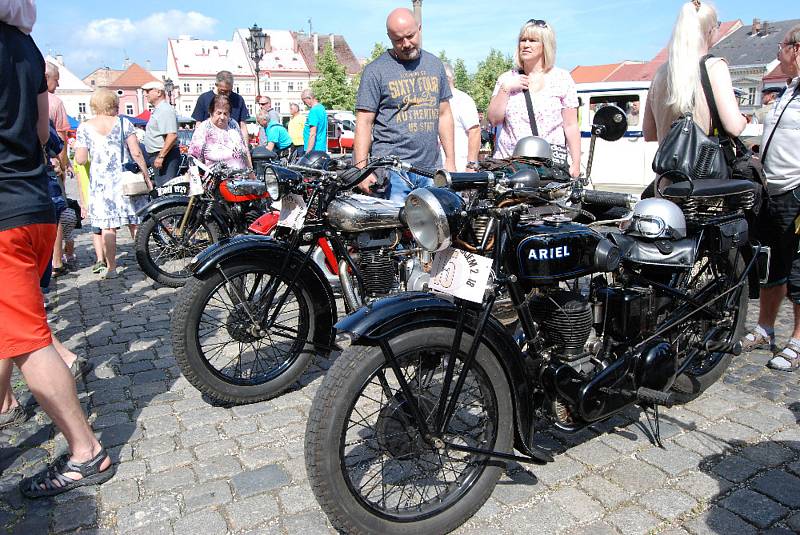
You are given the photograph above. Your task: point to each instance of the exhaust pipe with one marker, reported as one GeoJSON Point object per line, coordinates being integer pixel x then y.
{"type": "Point", "coordinates": [349, 293]}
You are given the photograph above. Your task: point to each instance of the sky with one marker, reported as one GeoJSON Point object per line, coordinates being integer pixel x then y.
{"type": "Point", "coordinates": [97, 33]}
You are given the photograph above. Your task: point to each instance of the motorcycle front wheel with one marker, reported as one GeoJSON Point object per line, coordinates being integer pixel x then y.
{"type": "Point", "coordinates": [369, 466]}
{"type": "Point", "coordinates": [220, 339]}
{"type": "Point", "coordinates": [162, 254]}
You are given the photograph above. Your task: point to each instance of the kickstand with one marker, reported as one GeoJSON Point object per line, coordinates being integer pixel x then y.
{"type": "Point", "coordinates": [654, 429]}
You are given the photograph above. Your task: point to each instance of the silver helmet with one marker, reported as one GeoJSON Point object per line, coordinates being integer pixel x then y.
{"type": "Point", "coordinates": [657, 219]}
{"type": "Point", "coordinates": [533, 147]}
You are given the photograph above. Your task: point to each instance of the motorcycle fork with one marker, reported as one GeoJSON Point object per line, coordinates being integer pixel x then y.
{"type": "Point", "coordinates": [186, 216]}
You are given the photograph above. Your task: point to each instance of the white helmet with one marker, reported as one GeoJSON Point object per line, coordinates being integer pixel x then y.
{"type": "Point", "coordinates": [533, 147]}
{"type": "Point", "coordinates": [657, 218]}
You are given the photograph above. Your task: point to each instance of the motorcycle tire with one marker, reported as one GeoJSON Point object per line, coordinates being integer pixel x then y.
{"type": "Point", "coordinates": [695, 380]}
{"type": "Point", "coordinates": [244, 378]}
{"type": "Point", "coordinates": [151, 248]}
{"type": "Point", "coordinates": [339, 407]}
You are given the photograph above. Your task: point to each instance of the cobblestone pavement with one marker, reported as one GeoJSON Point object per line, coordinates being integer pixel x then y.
{"type": "Point", "coordinates": [731, 462]}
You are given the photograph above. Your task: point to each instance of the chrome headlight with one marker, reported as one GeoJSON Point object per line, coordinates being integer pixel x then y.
{"type": "Point", "coordinates": [271, 180]}
{"type": "Point", "coordinates": [432, 216]}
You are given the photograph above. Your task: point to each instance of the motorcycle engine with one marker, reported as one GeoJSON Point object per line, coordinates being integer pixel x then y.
{"type": "Point", "coordinates": [565, 319]}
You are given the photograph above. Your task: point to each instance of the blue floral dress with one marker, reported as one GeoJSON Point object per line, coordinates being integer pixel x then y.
{"type": "Point", "coordinates": [108, 206]}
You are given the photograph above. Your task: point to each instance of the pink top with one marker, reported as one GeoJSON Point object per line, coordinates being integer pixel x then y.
{"type": "Point", "coordinates": [214, 145]}
{"type": "Point", "coordinates": [557, 94]}
{"type": "Point", "coordinates": [57, 113]}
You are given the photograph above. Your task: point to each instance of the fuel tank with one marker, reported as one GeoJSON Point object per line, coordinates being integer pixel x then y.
{"type": "Point", "coordinates": [356, 212]}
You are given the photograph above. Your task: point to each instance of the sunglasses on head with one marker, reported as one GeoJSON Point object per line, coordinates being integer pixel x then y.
{"type": "Point", "coordinates": [537, 22]}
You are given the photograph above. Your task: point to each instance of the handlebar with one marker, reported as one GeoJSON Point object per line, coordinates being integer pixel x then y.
{"type": "Point", "coordinates": [606, 198]}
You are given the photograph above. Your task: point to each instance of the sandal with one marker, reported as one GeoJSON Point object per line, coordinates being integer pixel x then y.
{"type": "Point", "coordinates": [59, 271]}
{"type": "Point", "coordinates": [754, 340]}
{"type": "Point", "coordinates": [787, 359]}
{"type": "Point", "coordinates": [90, 470]}
{"type": "Point", "coordinates": [13, 416]}
{"type": "Point", "coordinates": [80, 367]}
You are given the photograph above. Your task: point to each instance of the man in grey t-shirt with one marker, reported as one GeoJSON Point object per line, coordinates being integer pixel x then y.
{"type": "Point", "coordinates": [161, 135]}
{"type": "Point", "coordinates": [403, 107]}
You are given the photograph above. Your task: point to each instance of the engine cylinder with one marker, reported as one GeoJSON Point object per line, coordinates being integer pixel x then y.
{"type": "Point", "coordinates": [379, 272]}
{"type": "Point", "coordinates": [565, 319]}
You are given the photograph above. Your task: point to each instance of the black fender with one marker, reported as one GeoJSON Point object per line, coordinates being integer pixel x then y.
{"type": "Point", "coordinates": [257, 248]}
{"type": "Point", "coordinates": [160, 203]}
{"type": "Point", "coordinates": [407, 311]}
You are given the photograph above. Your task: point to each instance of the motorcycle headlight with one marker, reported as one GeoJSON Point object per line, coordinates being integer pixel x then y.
{"type": "Point", "coordinates": [432, 215]}
{"type": "Point", "coordinates": [271, 180]}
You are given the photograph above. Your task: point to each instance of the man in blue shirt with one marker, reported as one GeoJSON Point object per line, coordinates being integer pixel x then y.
{"type": "Point", "coordinates": [315, 132]}
{"type": "Point", "coordinates": [274, 135]}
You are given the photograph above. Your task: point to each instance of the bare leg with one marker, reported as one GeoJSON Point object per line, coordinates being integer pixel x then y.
{"type": "Point", "coordinates": [69, 248]}
{"type": "Point", "coordinates": [7, 399]}
{"type": "Point", "coordinates": [97, 243]}
{"type": "Point", "coordinates": [132, 230]}
{"type": "Point", "coordinates": [57, 250]}
{"type": "Point", "coordinates": [66, 355]}
{"type": "Point", "coordinates": [110, 247]}
{"type": "Point", "coordinates": [770, 302]}
{"type": "Point", "coordinates": [796, 332]}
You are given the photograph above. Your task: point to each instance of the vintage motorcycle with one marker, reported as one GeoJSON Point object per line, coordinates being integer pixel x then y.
{"type": "Point", "coordinates": [258, 308]}
{"type": "Point", "coordinates": [180, 223]}
{"type": "Point", "coordinates": [407, 432]}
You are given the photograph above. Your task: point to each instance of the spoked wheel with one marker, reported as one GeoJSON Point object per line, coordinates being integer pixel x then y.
{"type": "Point", "coordinates": [232, 343]}
{"type": "Point", "coordinates": [712, 275]}
{"type": "Point", "coordinates": [163, 253]}
{"type": "Point", "coordinates": [372, 468]}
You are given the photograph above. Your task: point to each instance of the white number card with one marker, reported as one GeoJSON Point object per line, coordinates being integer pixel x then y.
{"type": "Point", "coordinates": [195, 184]}
{"type": "Point", "coordinates": [293, 211]}
{"type": "Point", "coordinates": [461, 274]}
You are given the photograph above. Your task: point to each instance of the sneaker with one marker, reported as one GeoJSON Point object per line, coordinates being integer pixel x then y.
{"type": "Point", "coordinates": [110, 274]}
{"type": "Point", "coordinates": [755, 340]}
{"type": "Point", "coordinates": [98, 267]}
{"type": "Point", "coordinates": [787, 360]}
{"type": "Point", "coordinates": [13, 416]}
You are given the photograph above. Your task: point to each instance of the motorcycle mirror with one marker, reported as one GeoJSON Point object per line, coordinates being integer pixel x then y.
{"type": "Point", "coordinates": [524, 179]}
{"type": "Point", "coordinates": [609, 123]}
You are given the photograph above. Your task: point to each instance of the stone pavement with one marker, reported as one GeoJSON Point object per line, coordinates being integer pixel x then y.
{"type": "Point", "coordinates": [731, 462]}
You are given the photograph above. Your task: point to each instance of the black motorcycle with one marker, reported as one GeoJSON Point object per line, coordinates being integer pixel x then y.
{"type": "Point", "coordinates": [408, 431]}
{"type": "Point", "coordinates": [258, 308]}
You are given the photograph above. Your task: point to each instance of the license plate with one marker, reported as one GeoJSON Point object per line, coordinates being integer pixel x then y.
{"type": "Point", "coordinates": [460, 274]}
{"type": "Point", "coordinates": [173, 189]}
{"type": "Point", "coordinates": [293, 211]}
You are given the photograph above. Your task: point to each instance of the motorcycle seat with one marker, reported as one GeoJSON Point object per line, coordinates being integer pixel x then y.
{"type": "Point", "coordinates": [709, 187]}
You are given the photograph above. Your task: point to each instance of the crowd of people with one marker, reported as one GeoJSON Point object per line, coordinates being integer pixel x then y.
{"type": "Point", "coordinates": [406, 106]}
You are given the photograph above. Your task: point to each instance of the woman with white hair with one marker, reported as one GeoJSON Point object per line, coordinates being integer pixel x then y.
{"type": "Point", "coordinates": [676, 89]}
{"type": "Point", "coordinates": [554, 97]}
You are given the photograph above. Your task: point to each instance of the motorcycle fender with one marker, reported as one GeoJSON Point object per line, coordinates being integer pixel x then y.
{"type": "Point", "coordinates": [384, 317]}
{"type": "Point", "coordinates": [266, 249]}
{"type": "Point", "coordinates": [161, 203]}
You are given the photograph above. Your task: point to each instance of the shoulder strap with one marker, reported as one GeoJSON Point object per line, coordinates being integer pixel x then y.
{"type": "Point", "coordinates": [775, 126]}
{"type": "Point", "coordinates": [121, 143]}
{"type": "Point", "coordinates": [531, 117]}
{"type": "Point", "coordinates": [708, 91]}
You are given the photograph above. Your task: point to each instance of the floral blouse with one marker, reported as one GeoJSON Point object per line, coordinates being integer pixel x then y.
{"type": "Point", "coordinates": [213, 145]}
{"type": "Point", "coordinates": [558, 93]}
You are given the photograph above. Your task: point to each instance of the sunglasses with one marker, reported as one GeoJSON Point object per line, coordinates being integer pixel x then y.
{"type": "Point", "coordinates": [537, 22]}
{"type": "Point", "coordinates": [782, 45]}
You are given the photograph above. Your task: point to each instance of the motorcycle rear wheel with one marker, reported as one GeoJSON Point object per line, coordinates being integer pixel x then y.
{"type": "Point", "coordinates": [166, 258]}
{"type": "Point", "coordinates": [213, 339]}
{"type": "Point", "coordinates": [370, 468]}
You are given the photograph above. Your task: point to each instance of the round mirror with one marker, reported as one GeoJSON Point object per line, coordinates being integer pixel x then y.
{"type": "Point", "coordinates": [609, 123]}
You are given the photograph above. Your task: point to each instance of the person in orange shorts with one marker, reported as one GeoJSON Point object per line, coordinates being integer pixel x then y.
{"type": "Point", "coordinates": [27, 234]}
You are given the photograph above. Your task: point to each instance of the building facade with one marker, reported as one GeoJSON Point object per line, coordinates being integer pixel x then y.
{"type": "Point", "coordinates": [72, 91]}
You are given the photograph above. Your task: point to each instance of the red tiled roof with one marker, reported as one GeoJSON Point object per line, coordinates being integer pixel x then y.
{"type": "Point", "coordinates": [593, 73]}
{"type": "Point", "coordinates": [776, 75]}
{"type": "Point", "coordinates": [342, 50]}
{"type": "Point", "coordinates": [134, 77]}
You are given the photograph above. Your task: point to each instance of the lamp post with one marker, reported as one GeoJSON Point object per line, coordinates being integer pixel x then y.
{"type": "Point", "coordinates": [255, 45]}
{"type": "Point", "coordinates": [169, 85]}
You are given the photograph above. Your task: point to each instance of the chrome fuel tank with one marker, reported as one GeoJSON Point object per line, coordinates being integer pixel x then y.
{"type": "Point", "coordinates": [356, 212]}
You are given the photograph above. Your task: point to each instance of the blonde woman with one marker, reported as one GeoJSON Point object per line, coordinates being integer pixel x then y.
{"type": "Point", "coordinates": [101, 137]}
{"type": "Point", "coordinates": [676, 88]}
{"type": "Point", "coordinates": [553, 95]}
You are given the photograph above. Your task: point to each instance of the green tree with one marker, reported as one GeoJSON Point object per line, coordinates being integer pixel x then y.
{"type": "Point", "coordinates": [377, 50]}
{"type": "Point", "coordinates": [443, 56]}
{"type": "Point", "coordinates": [460, 76]}
{"type": "Point", "coordinates": [495, 64]}
{"type": "Point", "coordinates": [332, 88]}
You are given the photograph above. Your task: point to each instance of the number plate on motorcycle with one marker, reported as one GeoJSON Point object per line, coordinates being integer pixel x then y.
{"type": "Point", "coordinates": [460, 274]}
{"type": "Point", "coordinates": [195, 184]}
{"type": "Point", "coordinates": [293, 211]}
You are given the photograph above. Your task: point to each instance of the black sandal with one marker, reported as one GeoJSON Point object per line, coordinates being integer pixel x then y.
{"type": "Point", "coordinates": [90, 470]}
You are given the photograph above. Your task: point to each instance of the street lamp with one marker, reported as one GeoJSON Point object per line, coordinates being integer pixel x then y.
{"type": "Point", "coordinates": [255, 44]}
{"type": "Point", "coordinates": [169, 85]}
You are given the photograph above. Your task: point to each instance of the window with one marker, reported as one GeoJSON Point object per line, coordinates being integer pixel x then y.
{"type": "Point", "coordinates": [299, 86]}
{"type": "Point", "coordinates": [276, 86]}
{"type": "Point", "coordinates": [277, 107]}
{"type": "Point", "coordinates": [627, 103]}
{"type": "Point", "coordinates": [199, 88]}
{"type": "Point", "coordinates": [81, 107]}
{"type": "Point", "coordinates": [289, 86]}
{"type": "Point", "coordinates": [751, 96]}
{"type": "Point", "coordinates": [250, 109]}
{"type": "Point", "coordinates": [236, 90]}
{"type": "Point", "coordinates": [248, 89]}
{"type": "Point", "coordinates": [186, 87]}
{"type": "Point", "coordinates": [187, 108]}
{"type": "Point", "coordinates": [128, 109]}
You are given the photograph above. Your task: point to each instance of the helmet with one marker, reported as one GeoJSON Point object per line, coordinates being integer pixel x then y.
{"type": "Point", "coordinates": [533, 147]}
{"type": "Point", "coordinates": [318, 159]}
{"type": "Point", "coordinates": [657, 218]}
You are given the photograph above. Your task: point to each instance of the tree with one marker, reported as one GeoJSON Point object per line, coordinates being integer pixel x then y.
{"type": "Point", "coordinates": [443, 56]}
{"type": "Point", "coordinates": [460, 76]}
{"type": "Point", "coordinates": [332, 88]}
{"type": "Point", "coordinates": [377, 50]}
{"type": "Point", "coordinates": [486, 76]}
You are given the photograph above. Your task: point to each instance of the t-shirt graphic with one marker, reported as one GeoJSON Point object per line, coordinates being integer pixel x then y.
{"type": "Point", "coordinates": [405, 97]}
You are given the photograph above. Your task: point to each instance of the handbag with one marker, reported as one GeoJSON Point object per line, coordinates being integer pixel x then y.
{"type": "Point", "coordinates": [686, 152]}
{"type": "Point", "coordinates": [558, 152]}
{"type": "Point", "coordinates": [133, 183]}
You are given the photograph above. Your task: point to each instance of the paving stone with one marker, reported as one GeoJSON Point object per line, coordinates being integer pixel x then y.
{"type": "Point", "coordinates": [216, 468]}
{"type": "Point", "coordinates": [241, 411]}
{"type": "Point", "coordinates": [258, 457]}
{"type": "Point", "coordinates": [130, 470]}
{"type": "Point", "coordinates": [732, 433]}
{"type": "Point", "coordinates": [702, 444]}
{"type": "Point", "coordinates": [794, 522]}
{"type": "Point", "coordinates": [673, 460]}
{"type": "Point", "coordinates": [595, 528]}
{"type": "Point", "coordinates": [668, 503]}
{"type": "Point", "coordinates": [632, 520]}
{"type": "Point", "coordinates": [161, 425]}
{"type": "Point", "coordinates": [251, 512]}
{"type": "Point", "coordinates": [173, 459]}
{"type": "Point", "coordinates": [626, 440]}
{"type": "Point", "coordinates": [147, 448]}
{"type": "Point", "coordinates": [257, 481]}
{"type": "Point", "coordinates": [205, 522]}
{"type": "Point", "coordinates": [768, 454]}
{"type": "Point", "coordinates": [779, 486]}
{"type": "Point", "coordinates": [208, 494]}
{"type": "Point", "coordinates": [517, 487]}
{"type": "Point", "coordinates": [561, 470]}
{"type": "Point", "coordinates": [635, 476]}
{"type": "Point", "coordinates": [116, 493]}
{"type": "Point", "coordinates": [594, 453]}
{"type": "Point", "coordinates": [712, 407]}
{"type": "Point", "coordinates": [754, 507]}
{"type": "Point", "coordinates": [208, 416]}
{"type": "Point", "coordinates": [577, 503]}
{"type": "Point", "coordinates": [216, 448]}
{"type": "Point", "coordinates": [156, 510]}
{"type": "Point", "coordinates": [261, 438]}
{"type": "Point", "coordinates": [75, 515]}
{"type": "Point", "coordinates": [702, 486]}
{"type": "Point", "coordinates": [736, 468]}
{"type": "Point", "coordinates": [759, 422]}
{"type": "Point", "coordinates": [169, 480]}
{"type": "Point", "coordinates": [239, 427]}
{"type": "Point", "coordinates": [789, 438]}
{"type": "Point", "coordinates": [608, 493]}
{"type": "Point", "coordinates": [199, 435]}
{"type": "Point", "coordinates": [544, 518]}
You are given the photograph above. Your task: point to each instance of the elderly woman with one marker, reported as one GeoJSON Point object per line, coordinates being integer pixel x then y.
{"type": "Point", "coordinates": [218, 139]}
{"type": "Point", "coordinates": [104, 137]}
{"type": "Point", "coordinates": [553, 96]}
{"type": "Point", "coordinates": [676, 88]}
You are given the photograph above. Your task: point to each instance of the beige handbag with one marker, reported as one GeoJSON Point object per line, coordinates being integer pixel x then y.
{"type": "Point", "coordinates": [133, 182]}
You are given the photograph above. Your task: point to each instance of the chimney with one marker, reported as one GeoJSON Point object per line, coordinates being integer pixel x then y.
{"type": "Point", "coordinates": [764, 29]}
{"type": "Point", "coordinates": [60, 59]}
{"type": "Point", "coordinates": [267, 44]}
{"type": "Point", "coordinates": [147, 65]}
{"type": "Point", "coordinates": [332, 41]}
{"type": "Point", "coordinates": [315, 39]}
{"type": "Point", "coordinates": [756, 27]}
